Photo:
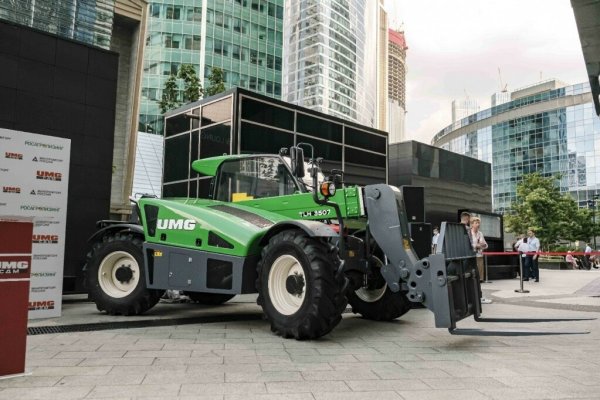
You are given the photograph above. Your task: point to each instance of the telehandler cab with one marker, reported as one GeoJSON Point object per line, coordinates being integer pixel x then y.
{"type": "Point", "coordinates": [307, 252]}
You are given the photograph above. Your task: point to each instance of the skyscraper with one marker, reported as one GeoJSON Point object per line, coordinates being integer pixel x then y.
{"type": "Point", "coordinates": [463, 108]}
{"type": "Point", "coordinates": [396, 85]}
{"type": "Point", "coordinates": [331, 57]}
{"type": "Point", "coordinates": [242, 37]}
{"type": "Point", "coordinates": [89, 21]}
{"type": "Point", "coordinates": [547, 127]}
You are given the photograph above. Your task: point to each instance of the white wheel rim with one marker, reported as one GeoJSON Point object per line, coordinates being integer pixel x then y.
{"type": "Point", "coordinates": [285, 302]}
{"type": "Point", "coordinates": [107, 274]}
{"type": "Point", "coordinates": [370, 296]}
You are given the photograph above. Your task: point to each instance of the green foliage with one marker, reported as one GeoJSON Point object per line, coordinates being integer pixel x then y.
{"type": "Point", "coordinates": [553, 216]}
{"type": "Point", "coordinates": [192, 90]}
{"type": "Point", "coordinates": [170, 95]}
{"type": "Point", "coordinates": [216, 82]}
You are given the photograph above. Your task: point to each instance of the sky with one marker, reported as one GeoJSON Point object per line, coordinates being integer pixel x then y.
{"type": "Point", "coordinates": [455, 49]}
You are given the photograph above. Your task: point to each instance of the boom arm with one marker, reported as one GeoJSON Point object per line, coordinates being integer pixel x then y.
{"type": "Point", "coordinates": [449, 287]}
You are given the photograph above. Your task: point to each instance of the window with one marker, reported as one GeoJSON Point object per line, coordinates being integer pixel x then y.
{"type": "Point", "coordinates": [155, 10]}
{"type": "Point", "coordinates": [259, 139]}
{"type": "Point", "coordinates": [177, 150]}
{"type": "Point", "coordinates": [253, 56]}
{"type": "Point", "coordinates": [267, 114]}
{"type": "Point", "coordinates": [254, 178]}
{"type": "Point", "coordinates": [221, 20]}
{"type": "Point", "coordinates": [194, 14]}
{"type": "Point", "coordinates": [215, 140]}
{"type": "Point", "coordinates": [173, 12]}
{"type": "Point", "coordinates": [172, 41]}
{"type": "Point", "coordinates": [192, 42]}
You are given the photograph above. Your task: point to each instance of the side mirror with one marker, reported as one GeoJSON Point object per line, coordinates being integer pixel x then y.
{"type": "Point", "coordinates": [297, 159]}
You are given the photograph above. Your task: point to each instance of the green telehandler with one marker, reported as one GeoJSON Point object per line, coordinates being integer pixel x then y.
{"type": "Point", "coordinates": [307, 250]}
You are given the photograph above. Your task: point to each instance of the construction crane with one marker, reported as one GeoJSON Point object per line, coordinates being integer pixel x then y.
{"type": "Point", "coordinates": [503, 86]}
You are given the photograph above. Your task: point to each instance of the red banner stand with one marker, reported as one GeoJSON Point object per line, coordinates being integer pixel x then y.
{"type": "Point", "coordinates": [15, 272]}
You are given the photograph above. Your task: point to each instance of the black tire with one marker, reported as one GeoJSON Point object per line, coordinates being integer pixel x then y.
{"type": "Point", "coordinates": [378, 303]}
{"type": "Point", "coordinates": [209, 299]}
{"type": "Point", "coordinates": [124, 296]}
{"type": "Point", "coordinates": [317, 305]}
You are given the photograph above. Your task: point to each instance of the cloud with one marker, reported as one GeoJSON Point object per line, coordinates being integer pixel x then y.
{"type": "Point", "coordinates": [457, 47]}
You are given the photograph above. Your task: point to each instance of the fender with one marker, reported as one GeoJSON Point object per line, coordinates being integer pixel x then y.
{"type": "Point", "coordinates": [126, 227]}
{"type": "Point", "coordinates": [312, 229]}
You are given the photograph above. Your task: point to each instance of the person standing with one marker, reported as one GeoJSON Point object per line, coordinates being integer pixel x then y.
{"type": "Point", "coordinates": [586, 256]}
{"type": "Point", "coordinates": [465, 219]}
{"type": "Point", "coordinates": [434, 239]}
{"type": "Point", "coordinates": [534, 249]}
{"type": "Point", "coordinates": [523, 249]}
{"type": "Point", "coordinates": [478, 243]}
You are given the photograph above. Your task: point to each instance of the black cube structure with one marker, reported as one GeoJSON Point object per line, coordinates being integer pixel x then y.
{"type": "Point", "coordinates": [239, 122]}
{"type": "Point", "coordinates": [58, 87]}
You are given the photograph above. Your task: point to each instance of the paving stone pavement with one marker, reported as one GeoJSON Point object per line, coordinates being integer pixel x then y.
{"type": "Point", "coordinates": [405, 359]}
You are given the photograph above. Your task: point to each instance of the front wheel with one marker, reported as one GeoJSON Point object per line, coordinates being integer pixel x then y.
{"type": "Point", "coordinates": [297, 287]}
{"type": "Point", "coordinates": [376, 301]}
{"type": "Point", "coordinates": [115, 276]}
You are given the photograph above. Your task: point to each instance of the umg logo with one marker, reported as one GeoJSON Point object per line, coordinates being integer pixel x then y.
{"type": "Point", "coordinates": [176, 224]}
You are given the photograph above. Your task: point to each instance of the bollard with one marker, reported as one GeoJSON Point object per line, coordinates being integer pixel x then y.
{"type": "Point", "coordinates": [521, 276]}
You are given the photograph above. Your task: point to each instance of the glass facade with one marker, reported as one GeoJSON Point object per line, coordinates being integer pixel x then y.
{"type": "Point", "coordinates": [87, 21]}
{"type": "Point", "coordinates": [330, 52]}
{"type": "Point", "coordinates": [562, 139]}
{"type": "Point", "coordinates": [242, 37]}
{"type": "Point", "coordinates": [240, 122]}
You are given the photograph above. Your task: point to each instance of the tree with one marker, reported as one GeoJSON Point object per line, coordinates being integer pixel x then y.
{"type": "Point", "coordinates": [554, 216]}
{"type": "Point", "coordinates": [192, 90]}
{"type": "Point", "coordinates": [216, 81]}
{"type": "Point", "coordinates": [170, 95]}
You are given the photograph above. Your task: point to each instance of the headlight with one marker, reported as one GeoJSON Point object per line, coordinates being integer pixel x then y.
{"type": "Point", "coordinates": [328, 189]}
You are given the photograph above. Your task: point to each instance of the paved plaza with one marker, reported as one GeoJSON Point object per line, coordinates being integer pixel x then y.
{"type": "Point", "coordinates": [406, 359]}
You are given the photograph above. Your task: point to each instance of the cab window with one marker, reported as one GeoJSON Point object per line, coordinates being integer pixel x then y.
{"type": "Point", "coordinates": [254, 178]}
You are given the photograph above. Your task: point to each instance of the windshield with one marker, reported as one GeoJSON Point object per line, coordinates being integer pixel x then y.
{"type": "Point", "coordinates": [254, 178]}
{"type": "Point", "coordinates": [307, 179]}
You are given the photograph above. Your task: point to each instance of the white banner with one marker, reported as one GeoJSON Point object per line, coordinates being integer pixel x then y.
{"type": "Point", "coordinates": [34, 175]}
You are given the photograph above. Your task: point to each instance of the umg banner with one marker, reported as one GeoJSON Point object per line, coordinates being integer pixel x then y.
{"type": "Point", "coordinates": [34, 176]}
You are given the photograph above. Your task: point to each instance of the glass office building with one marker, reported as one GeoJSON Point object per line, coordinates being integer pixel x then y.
{"type": "Point", "coordinates": [243, 122]}
{"type": "Point", "coordinates": [89, 21]}
{"type": "Point", "coordinates": [330, 48]}
{"type": "Point", "coordinates": [552, 131]}
{"type": "Point", "coordinates": [242, 37]}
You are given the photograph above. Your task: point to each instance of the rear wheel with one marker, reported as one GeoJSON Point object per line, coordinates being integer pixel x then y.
{"type": "Point", "coordinates": [376, 301]}
{"type": "Point", "coordinates": [297, 287]}
{"type": "Point", "coordinates": [115, 276]}
{"type": "Point", "coordinates": [209, 299]}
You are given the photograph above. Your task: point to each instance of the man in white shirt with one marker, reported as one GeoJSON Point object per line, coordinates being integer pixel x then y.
{"type": "Point", "coordinates": [534, 247]}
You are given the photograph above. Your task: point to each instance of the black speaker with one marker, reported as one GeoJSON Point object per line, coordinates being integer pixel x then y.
{"type": "Point", "coordinates": [414, 202]}
{"type": "Point", "coordinates": [421, 235]}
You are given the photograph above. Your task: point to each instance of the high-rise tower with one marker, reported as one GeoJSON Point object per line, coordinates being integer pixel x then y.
{"type": "Point", "coordinates": [330, 49]}
{"type": "Point", "coordinates": [242, 37]}
{"type": "Point", "coordinates": [396, 85]}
